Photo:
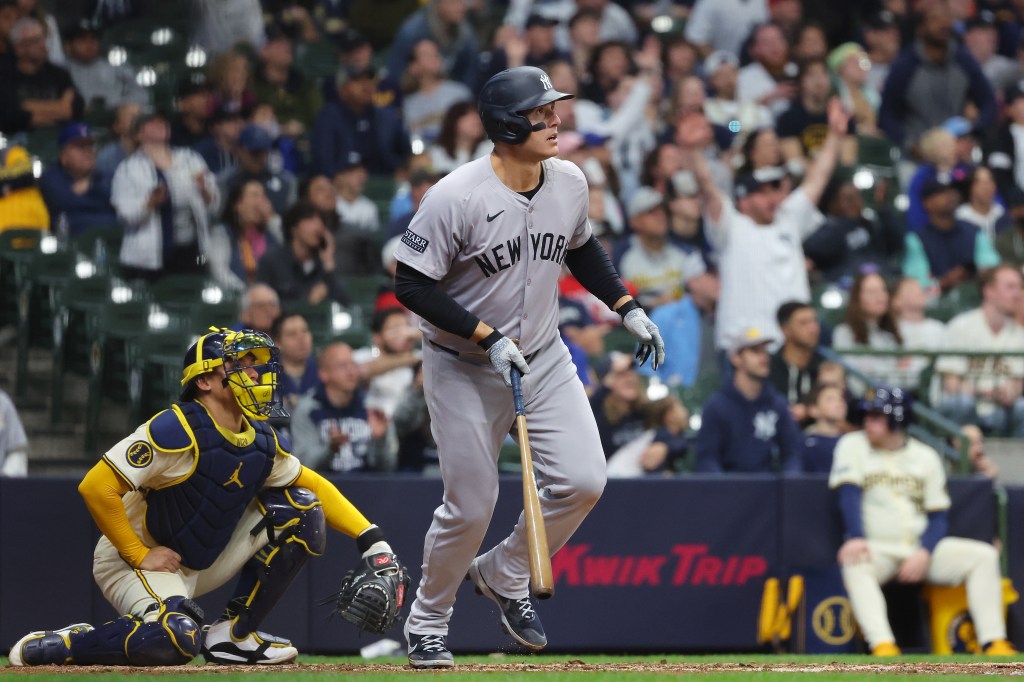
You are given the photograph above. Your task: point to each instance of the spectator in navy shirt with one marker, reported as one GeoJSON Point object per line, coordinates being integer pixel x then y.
{"type": "Point", "coordinates": [826, 405]}
{"type": "Point", "coordinates": [619, 404]}
{"type": "Point", "coordinates": [73, 187]}
{"type": "Point", "coordinates": [746, 425]}
{"type": "Point", "coordinates": [353, 128]}
{"type": "Point", "coordinates": [331, 429]}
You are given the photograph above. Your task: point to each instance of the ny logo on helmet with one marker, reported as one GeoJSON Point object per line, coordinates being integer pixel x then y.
{"type": "Point", "coordinates": [545, 81]}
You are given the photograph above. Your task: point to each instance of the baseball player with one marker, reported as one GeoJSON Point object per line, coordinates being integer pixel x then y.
{"type": "Point", "coordinates": [201, 492]}
{"type": "Point", "coordinates": [894, 504]}
{"type": "Point", "coordinates": [480, 263]}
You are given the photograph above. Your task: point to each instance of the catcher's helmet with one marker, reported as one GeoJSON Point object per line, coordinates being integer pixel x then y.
{"type": "Point", "coordinates": [892, 402]}
{"type": "Point", "coordinates": [256, 396]}
{"type": "Point", "coordinates": [509, 93]}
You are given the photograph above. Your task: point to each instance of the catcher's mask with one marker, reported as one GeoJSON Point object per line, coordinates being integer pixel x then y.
{"type": "Point", "coordinates": [253, 385]}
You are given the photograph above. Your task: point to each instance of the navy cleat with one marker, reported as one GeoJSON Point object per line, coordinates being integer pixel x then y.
{"type": "Point", "coordinates": [429, 651]}
{"type": "Point", "coordinates": [46, 647]}
{"type": "Point", "coordinates": [518, 616]}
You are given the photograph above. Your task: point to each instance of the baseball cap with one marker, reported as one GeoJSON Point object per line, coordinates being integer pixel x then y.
{"type": "Point", "coordinates": [983, 19]}
{"type": "Point", "coordinates": [958, 126]}
{"type": "Point", "coordinates": [539, 20]}
{"type": "Point", "coordinates": [352, 160]}
{"type": "Point", "coordinates": [881, 20]}
{"type": "Point", "coordinates": [353, 72]}
{"type": "Point", "coordinates": [350, 39]}
{"type": "Point", "coordinates": [224, 113]}
{"type": "Point", "coordinates": [934, 186]}
{"type": "Point", "coordinates": [255, 139]}
{"type": "Point", "coordinates": [643, 200]}
{"type": "Point", "coordinates": [749, 183]}
{"type": "Point", "coordinates": [748, 337]}
{"type": "Point", "coordinates": [718, 59]}
{"type": "Point", "coordinates": [79, 28]}
{"type": "Point", "coordinates": [572, 314]}
{"type": "Point", "coordinates": [73, 132]}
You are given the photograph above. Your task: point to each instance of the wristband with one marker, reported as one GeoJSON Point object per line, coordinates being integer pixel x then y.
{"type": "Point", "coordinates": [631, 304]}
{"type": "Point", "coordinates": [368, 537]}
{"type": "Point", "coordinates": [489, 340]}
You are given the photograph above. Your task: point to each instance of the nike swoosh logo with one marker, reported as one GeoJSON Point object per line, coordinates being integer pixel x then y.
{"type": "Point", "coordinates": [492, 217]}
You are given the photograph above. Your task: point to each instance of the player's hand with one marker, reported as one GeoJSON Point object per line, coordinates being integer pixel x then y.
{"type": "Point", "coordinates": [161, 558]}
{"type": "Point", "coordinates": [915, 567]}
{"type": "Point", "coordinates": [854, 551]}
{"type": "Point", "coordinates": [646, 333]}
{"type": "Point", "coordinates": [503, 354]}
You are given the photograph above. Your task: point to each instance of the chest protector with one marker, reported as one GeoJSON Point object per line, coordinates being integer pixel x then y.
{"type": "Point", "coordinates": [196, 516]}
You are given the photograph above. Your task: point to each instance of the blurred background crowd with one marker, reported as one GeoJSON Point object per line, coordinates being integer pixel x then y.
{"type": "Point", "coordinates": [809, 198]}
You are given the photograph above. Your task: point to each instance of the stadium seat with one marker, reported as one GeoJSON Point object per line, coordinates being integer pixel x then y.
{"type": "Point", "coordinates": [16, 246]}
{"type": "Point", "coordinates": [329, 322]}
{"type": "Point", "coordinates": [102, 245]}
{"type": "Point", "coordinates": [154, 361]}
{"type": "Point", "coordinates": [34, 279]}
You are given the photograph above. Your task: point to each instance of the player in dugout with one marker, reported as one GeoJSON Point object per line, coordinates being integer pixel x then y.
{"type": "Point", "coordinates": [895, 507]}
{"type": "Point", "coordinates": [199, 493]}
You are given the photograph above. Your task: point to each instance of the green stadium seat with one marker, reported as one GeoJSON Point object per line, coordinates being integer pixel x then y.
{"type": "Point", "coordinates": [17, 245]}
{"type": "Point", "coordinates": [35, 278]}
{"type": "Point", "coordinates": [155, 362]}
{"type": "Point", "coordinates": [329, 322]}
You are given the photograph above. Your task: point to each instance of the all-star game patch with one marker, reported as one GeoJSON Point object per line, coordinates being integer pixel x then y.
{"type": "Point", "coordinates": [139, 454]}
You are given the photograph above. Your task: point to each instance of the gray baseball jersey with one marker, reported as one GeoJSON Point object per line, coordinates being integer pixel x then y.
{"type": "Point", "coordinates": [496, 253]}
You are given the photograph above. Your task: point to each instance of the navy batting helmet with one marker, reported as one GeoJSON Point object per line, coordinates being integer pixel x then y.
{"type": "Point", "coordinates": [892, 402]}
{"type": "Point", "coordinates": [509, 93]}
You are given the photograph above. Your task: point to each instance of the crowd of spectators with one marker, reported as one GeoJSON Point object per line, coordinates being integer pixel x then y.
{"type": "Point", "coordinates": [726, 144]}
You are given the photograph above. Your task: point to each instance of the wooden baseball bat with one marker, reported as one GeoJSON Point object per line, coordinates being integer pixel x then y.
{"type": "Point", "coordinates": [536, 536]}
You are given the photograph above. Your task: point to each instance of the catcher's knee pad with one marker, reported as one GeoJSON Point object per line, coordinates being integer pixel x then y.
{"type": "Point", "coordinates": [171, 636]}
{"type": "Point", "coordinates": [294, 521]}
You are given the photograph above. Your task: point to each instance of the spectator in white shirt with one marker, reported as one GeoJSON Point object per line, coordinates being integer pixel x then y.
{"type": "Point", "coordinates": [770, 78]}
{"type": "Point", "coordinates": [724, 24]}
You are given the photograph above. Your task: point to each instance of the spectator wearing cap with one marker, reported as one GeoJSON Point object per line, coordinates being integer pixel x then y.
{"type": "Point", "coordinates": [1001, 143]}
{"type": "Point", "coordinates": [981, 206]}
{"type": "Point", "coordinates": [933, 63]}
{"type": "Point", "coordinates": [938, 150]}
{"type": "Point", "coordinates": [73, 188]}
{"type": "Point", "coordinates": [192, 106]}
{"type": "Point", "coordinates": [760, 257]}
{"type": "Point", "coordinates": [803, 127]}
{"type": "Point", "coordinates": [253, 152]}
{"type": "Point", "coordinates": [746, 426]}
{"type": "Point", "coordinates": [981, 38]}
{"type": "Point", "coordinates": [34, 92]}
{"type": "Point", "coordinates": [1010, 242]}
{"type": "Point", "coordinates": [444, 21]}
{"type": "Point", "coordinates": [164, 197]}
{"type": "Point", "coordinates": [428, 94]}
{"type": "Point", "coordinates": [353, 125]}
{"type": "Point", "coordinates": [850, 67]}
{"type": "Point", "coordinates": [724, 24]}
{"type": "Point", "coordinates": [853, 237]}
{"type": "Point", "coordinates": [721, 70]}
{"type": "Point", "coordinates": [294, 99]}
{"type": "Point", "coordinates": [118, 149]}
{"type": "Point", "coordinates": [219, 149]}
{"type": "Point", "coordinates": [768, 79]}
{"type": "Point", "coordinates": [882, 40]}
{"type": "Point", "coordinates": [102, 85]}
{"type": "Point", "coordinates": [659, 269]}
{"type": "Point", "coordinates": [618, 403]}
{"type": "Point", "coordinates": [946, 251]}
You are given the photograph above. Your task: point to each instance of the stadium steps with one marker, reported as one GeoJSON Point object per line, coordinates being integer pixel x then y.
{"type": "Point", "coordinates": [58, 449]}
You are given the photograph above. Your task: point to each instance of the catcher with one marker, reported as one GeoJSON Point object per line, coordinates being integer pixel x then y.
{"type": "Point", "coordinates": [201, 492]}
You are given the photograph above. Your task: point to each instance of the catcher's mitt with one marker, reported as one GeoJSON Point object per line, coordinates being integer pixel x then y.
{"type": "Point", "coordinates": [372, 594]}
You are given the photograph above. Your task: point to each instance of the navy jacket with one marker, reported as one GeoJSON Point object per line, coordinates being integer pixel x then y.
{"type": "Point", "coordinates": [747, 436]}
{"type": "Point", "coordinates": [92, 209]}
{"type": "Point", "coordinates": [947, 249]}
{"type": "Point", "coordinates": [376, 137]}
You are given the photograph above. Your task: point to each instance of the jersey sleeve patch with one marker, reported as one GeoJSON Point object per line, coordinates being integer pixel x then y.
{"type": "Point", "coordinates": [168, 433]}
{"type": "Point", "coordinates": [139, 454]}
{"type": "Point", "coordinates": [415, 242]}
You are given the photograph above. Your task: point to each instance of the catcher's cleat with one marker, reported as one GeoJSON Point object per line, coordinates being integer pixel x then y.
{"type": "Point", "coordinates": [1001, 647]}
{"type": "Point", "coordinates": [257, 648]}
{"type": "Point", "coordinates": [46, 647]}
{"type": "Point", "coordinates": [518, 616]}
{"type": "Point", "coordinates": [886, 649]}
{"type": "Point", "coordinates": [429, 651]}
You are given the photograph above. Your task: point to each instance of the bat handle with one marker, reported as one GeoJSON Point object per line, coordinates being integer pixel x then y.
{"type": "Point", "coordinates": [517, 390]}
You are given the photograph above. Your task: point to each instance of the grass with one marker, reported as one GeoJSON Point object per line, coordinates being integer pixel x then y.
{"type": "Point", "coordinates": [563, 668]}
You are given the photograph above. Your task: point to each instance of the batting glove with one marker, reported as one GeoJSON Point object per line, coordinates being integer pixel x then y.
{"type": "Point", "coordinates": [503, 354]}
{"type": "Point", "coordinates": [647, 334]}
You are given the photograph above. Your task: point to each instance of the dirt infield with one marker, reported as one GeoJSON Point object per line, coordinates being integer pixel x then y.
{"type": "Point", "coordinates": [980, 668]}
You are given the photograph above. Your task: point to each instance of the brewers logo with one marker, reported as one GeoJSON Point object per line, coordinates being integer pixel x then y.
{"type": "Point", "coordinates": [139, 454]}
{"type": "Point", "coordinates": [833, 621]}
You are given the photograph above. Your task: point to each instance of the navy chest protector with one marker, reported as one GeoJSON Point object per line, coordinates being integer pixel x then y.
{"type": "Point", "coordinates": [197, 516]}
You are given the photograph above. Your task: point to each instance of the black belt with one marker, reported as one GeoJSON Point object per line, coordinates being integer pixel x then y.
{"type": "Point", "coordinates": [477, 356]}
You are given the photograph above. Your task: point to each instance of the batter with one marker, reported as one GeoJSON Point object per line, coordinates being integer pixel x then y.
{"type": "Point", "coordinates": [480, 264]}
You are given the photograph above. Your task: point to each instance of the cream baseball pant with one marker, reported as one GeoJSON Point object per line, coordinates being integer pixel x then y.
{"type": "Point", "coordinates": [471, 412]}
{"type": "Point", "coordinates": [133, 591]}
{"type": "Point", "coordinates": [955, 561]}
